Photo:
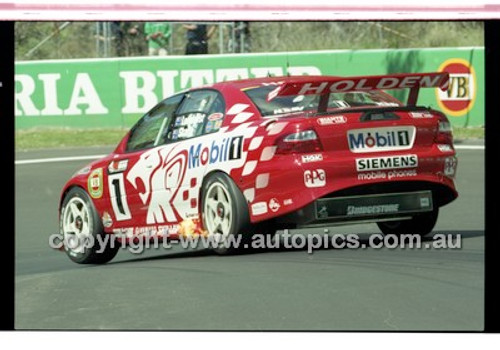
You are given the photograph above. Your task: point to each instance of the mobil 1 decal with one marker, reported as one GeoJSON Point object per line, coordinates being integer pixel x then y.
{"type": "Point", "coordinates": [459, 98]}
{"type": "Point", "coordinates": [220, 150]}
{"type": "Point", "coordinates": [381, 139]}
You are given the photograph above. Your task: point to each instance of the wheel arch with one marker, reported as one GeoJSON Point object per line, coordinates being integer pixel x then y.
{"type": "Point", "coordinates": [64, 193]}
{"type": "Point", "coordinates": [206, 178]}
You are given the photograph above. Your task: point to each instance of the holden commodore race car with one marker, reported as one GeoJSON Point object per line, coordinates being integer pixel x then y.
{"type": "Point", "coordinates": [239, 157]}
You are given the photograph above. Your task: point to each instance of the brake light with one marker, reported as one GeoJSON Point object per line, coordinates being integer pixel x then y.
{"type": "Point", "coordinates": [299, 142]}
{"type": "Point", "coordinates": [445, 132]}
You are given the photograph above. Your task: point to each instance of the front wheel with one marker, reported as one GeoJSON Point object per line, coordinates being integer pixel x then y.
{"type": "Point", "coordinates": [85, 241]}
{"type": "Point", "coordinates": [420, 224]}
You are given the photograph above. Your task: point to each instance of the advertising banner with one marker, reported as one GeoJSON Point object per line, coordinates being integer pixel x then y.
{"type": "Point", "coordinates": [115, 92]}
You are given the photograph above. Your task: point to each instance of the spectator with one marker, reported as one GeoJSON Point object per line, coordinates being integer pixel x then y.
{"type": "Point", "coordinates": [118, 37]}
{"type": "Point", "coordinates": [197, 38]}
{"type": "Point", "coordinates": [158, 36]}
{"type": "Point", "coordinates": [135, 42]}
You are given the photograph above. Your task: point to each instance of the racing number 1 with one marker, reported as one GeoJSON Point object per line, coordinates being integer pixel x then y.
{"type": "Point", "coordinates": [118, 197]}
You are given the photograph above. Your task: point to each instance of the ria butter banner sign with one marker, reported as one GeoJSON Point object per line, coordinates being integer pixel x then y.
{"type": "Point", "coordinates": [115, 92]}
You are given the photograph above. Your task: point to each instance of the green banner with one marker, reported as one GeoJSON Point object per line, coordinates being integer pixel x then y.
{"type": "Point", "coordinates": [116, 92]}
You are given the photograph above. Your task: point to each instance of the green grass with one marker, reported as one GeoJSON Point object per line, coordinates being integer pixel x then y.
{"type": "Point", "coordinates": [468, 133]}
{"type": "Point", "coordinates": [61, 138]}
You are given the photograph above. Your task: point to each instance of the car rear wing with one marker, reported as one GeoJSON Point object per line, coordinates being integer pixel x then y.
{"type": "Point", "coordinates": [325, 85]}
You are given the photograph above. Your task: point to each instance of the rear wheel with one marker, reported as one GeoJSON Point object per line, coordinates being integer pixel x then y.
{"type": "Point", "coordinates": [420, 224]}
{"type": "Point", "coordinates": [226, 217]}
{"type": "Point", "coordinates": [85, 241]}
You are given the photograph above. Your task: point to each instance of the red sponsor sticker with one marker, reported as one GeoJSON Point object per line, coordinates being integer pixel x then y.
{"type": "Point", "coordinates": [274, 205]}
{"type": "Point", "coordinates": [215, 116]}
{"type": "Point", "coordinates": [338, 119]}
{"type": "Point", "coordinates": [461, 94]}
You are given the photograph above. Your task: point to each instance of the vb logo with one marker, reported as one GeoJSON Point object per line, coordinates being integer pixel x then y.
{"type": "Point", "coordinates": [459, 87]}
{"type": "Point", "coordinates": [460, 96]}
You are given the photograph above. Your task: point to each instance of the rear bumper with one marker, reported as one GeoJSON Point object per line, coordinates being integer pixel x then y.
{"type": "Point", "coordinates": [291, 184]}
{"type": "Point", "coordinates": [361, 208]}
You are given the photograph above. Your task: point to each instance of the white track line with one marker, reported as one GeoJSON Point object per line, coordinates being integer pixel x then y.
{"type": "Point", "coordinates": [476, 147]}
{"type": "Point", "coordinates": [71, 159]}
{"type": "Point", "coordinates": [54, 160]}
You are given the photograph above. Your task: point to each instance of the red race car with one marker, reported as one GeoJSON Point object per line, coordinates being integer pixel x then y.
{"type": "Point", "coordinates": [239, 157]}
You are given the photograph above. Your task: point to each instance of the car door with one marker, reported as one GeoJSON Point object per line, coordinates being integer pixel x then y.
{"type": "Point", "coordinates": [133, 177]}
{"type": "Point", "coordinates": [197, 121]}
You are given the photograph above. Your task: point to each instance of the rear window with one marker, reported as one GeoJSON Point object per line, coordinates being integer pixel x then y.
{"type": "Point", "coordinates": [309, 103]}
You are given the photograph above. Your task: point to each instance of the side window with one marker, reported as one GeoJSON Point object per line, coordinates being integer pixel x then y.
{"type": "Point", "coordinates": [151, 130]}
{"type": "Point", "coordinates": [201, 112]}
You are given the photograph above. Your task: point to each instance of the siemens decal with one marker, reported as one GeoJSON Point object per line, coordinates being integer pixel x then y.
{"type": "Point", "coordinates": [383, 163]}
{"type": "Point", "coordinates": [229, 148]}
{"type": "Point", "coordinates": [381, 139]}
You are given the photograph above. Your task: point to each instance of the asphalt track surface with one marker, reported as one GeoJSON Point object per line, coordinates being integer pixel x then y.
{"type": "Point", "coordinates": [287, 289]}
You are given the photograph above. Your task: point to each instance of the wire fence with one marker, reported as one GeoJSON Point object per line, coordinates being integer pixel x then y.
{"type": "Point", "coordinates": [58, 40]}
{"type": "Point", "coordinates": [118, 39]}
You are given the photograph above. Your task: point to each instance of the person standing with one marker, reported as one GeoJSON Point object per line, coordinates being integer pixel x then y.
{"type": "Point", "coordinates": [118, 38]}
{"type": "Point", "coordinates": [158, 36]}
{"type": "Point", "coordinates": [197, 38]}
{"type": "Point", "coordinates": [134, 35]}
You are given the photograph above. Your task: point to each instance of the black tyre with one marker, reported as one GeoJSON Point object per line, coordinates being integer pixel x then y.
{"type": "Point", "coordinates": [225, 214]}
{"type": "Point", "coordinates": [420, 224]}
{"type": "Point", "coordinates": [81, 226]}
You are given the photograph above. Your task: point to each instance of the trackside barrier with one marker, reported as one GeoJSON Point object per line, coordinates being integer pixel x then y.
{"type": "Point", "coordinates": [97, 93]}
